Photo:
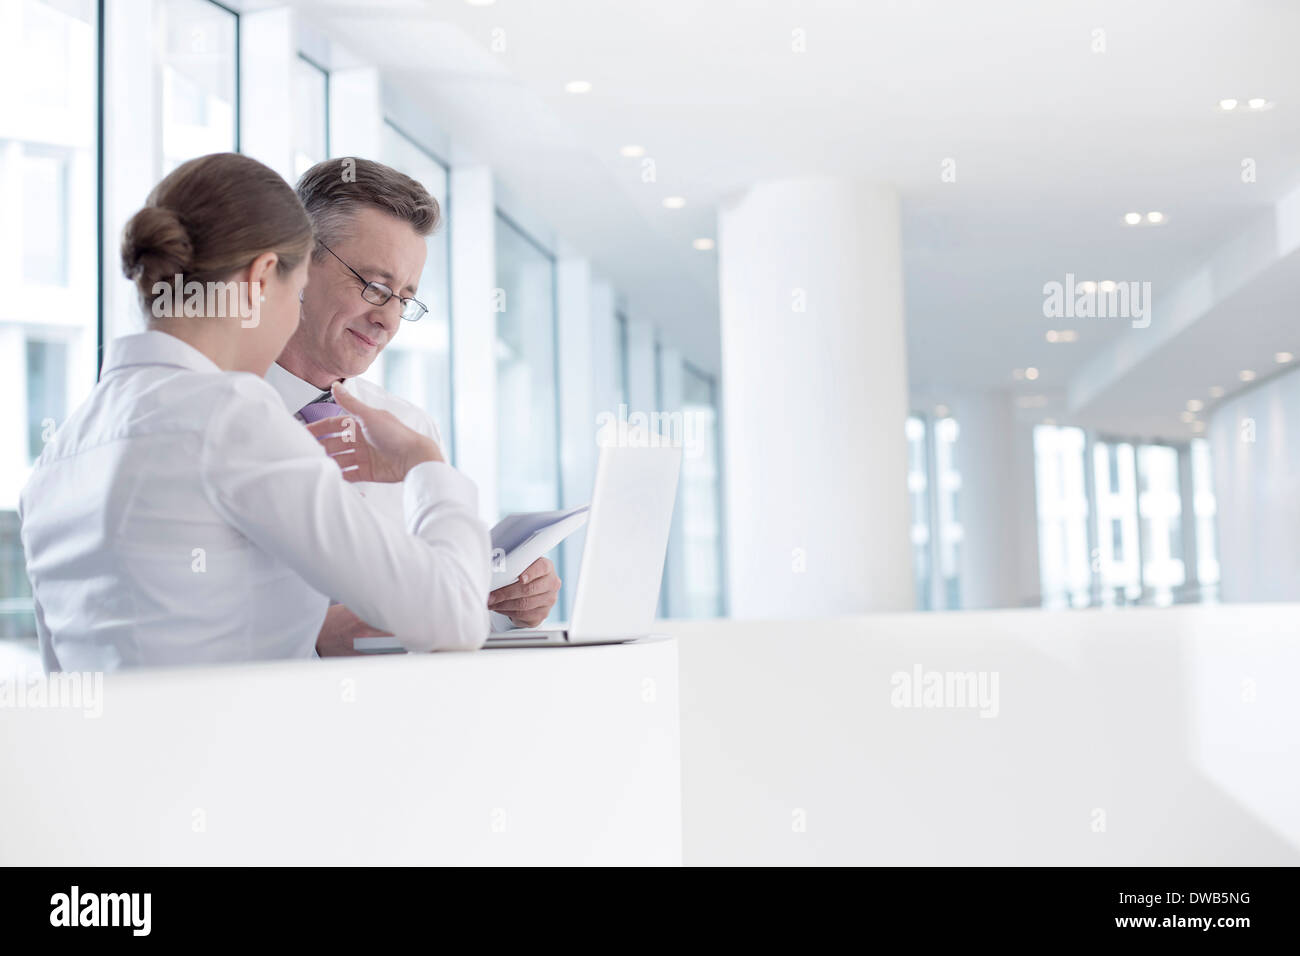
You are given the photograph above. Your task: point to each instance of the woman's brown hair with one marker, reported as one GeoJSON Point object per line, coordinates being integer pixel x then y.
{"type": "Point", "coordinates": [210, 217]}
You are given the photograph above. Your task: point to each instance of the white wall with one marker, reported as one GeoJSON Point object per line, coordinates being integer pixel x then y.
{"type": "Point", "coordinates": [1255, 447]}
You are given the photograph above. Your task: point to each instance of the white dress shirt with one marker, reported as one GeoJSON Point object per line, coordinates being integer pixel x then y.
{"type": "Point", "coordinates": [179, 516]}
{"type": "Point", "coordinates": [296, 393]}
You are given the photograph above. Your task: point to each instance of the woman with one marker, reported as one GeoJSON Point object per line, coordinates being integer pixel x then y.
{"type": "Point", "coordinates": [181, 515]}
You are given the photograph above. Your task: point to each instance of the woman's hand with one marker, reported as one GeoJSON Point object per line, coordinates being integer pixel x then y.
{"type": "Point", "coordinates": [370, 444]}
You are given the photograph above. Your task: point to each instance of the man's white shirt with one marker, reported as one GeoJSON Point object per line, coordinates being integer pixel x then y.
{"type": "Point", "coordinates": [296, 393]}
{"type": "Point", "coordinates": [179, 516]}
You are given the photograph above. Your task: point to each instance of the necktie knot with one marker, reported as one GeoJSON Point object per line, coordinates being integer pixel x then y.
{"type": "Point", "coordinates": [322, 407]}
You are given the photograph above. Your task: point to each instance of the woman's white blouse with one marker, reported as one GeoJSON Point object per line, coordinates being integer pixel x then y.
{"type": "Point", "coordinates": [181, 516]}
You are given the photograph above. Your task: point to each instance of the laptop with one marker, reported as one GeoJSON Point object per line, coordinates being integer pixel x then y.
{"type": "Point", "coordinates": [623, 557]}
{"type": "Point", "coordinates": [622, 560]}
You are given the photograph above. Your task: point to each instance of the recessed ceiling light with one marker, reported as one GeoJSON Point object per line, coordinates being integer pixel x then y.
{"type": "Point", "coordinates": [1227, 104]}
{"type": "Point", "coordinates": [1053, 335]}
{"type": "Point", "coordinates": [1246, 375]}
{"type": "Point", "coordinates": [1216, 391]}
{"type": "Point", "coordinates": [1281, 358]}
{"type": "Point", "coordinates": [1088, 286]}
{"type": "Point", "coordinates": [1195, 404]}
{"type": "Point", "coordinates": [1108, 285]}
{"type": "Point", "coordinates": [577, 86]}
{"type": "Point", "coordinates": [1257, 102]}
{"type": "Point", "coordinates": [1155, 217]}
{"type": "Point", "coordinates": [674, 202]}
{"type": "Point", "coordinates": [702, 244]}
{"type": "Point", "coordinates": [941, 411]}
{"type": "Point", "coordinates": [1189, 417]}
{"type": "Point", "coordinates": [1132, 218]}
{"type": "Point", "coordinates": [632, 152]}
{"type": "Point", "coordinates": [1031, 373]}
{"type": "Point", "coordinates": [1198, 426]}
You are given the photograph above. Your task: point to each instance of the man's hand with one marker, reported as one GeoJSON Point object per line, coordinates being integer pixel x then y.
{"type": "Point", "coordinates": [370, 444]}
{"type": "Point", "coordinates": [530, 599]}
{"type": "Point", "coordinates": [340, 627]}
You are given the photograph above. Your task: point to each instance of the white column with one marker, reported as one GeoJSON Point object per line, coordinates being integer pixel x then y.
{"type": "Point", "coordinates": [473, 330]}
{"type": "Point", "coordinates": [994, 455]}
{"type": "Point", "coordinates": [814, 387]}
{"type": "Point", "coordinates": [605, 356]}
{"type": "Point", "coordinates": [356, 112]}
{"type": "Point", "coordinates": [266, 54]}
{"type": "Point", "coordinates": [670, 402]}
{"type": "Point", "coordinates": [132, 147]}
{"type": "Point", "coordinates": [576, 393]}
{"type": "Point", "coordinates": [641, 387]}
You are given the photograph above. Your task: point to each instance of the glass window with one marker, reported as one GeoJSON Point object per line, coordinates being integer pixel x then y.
{"type": "Point", "coordinates": [49, 316]}
{"type": "Point", "coordinates": [310, 115]}
{"type": "Point", "coordinates": [1205, 509]}
{"type": "Point", "coordinates": [1117, 552]}
{"type": "Point", "coordinates": [45, 230]}
{"type": "Point", "coordinates": [1063, 558]}
{"type": "Point", "coordinates": [918, 490]}
{"type": "Point", "coordinates": [416, 365]}
{"type": "Point", "coordinates": [699, 499]}
{"type": "Point", "coordinates": [528, 459]}
{"type": "Point", "coordinates": [199, 47]}
{"type": "Point", "coordinates": [47, 392]}
{"type": "Point", "coordinates": [1160, 510]}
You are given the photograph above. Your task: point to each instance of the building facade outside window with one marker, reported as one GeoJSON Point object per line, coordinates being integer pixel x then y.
{"type": "Point", "coordinates": [198, 54]}
{"type": "Point", "coordinates": [49, 316]}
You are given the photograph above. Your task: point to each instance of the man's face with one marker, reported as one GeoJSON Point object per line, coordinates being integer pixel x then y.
{"type": "Point", "coordinates": [341, 333]}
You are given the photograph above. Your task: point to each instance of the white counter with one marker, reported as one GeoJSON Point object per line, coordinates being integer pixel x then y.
{"type": "Point", "coordinates": [522, 756]}
{"type": "Point", "coordinates": [1142, 736]}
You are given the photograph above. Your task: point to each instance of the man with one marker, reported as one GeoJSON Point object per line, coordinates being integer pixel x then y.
{"type": "Point", "coordinates": [371, 222]}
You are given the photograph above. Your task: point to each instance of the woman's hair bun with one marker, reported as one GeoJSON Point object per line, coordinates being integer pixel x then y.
{"type": "Point", "coordinates": [205, 221]}
{"type": "Point", "coordinates": [155, 247]}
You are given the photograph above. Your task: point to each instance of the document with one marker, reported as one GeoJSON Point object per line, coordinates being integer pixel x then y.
{"type": "Point", "coordinates": [520, 539]}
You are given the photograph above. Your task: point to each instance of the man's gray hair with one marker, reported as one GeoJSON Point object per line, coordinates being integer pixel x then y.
{"type": "Point", "coordinates": [332, 191]}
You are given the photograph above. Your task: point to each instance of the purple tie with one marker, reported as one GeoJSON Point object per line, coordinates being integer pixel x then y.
{"type": "Point", "coordinates": [315, 411]}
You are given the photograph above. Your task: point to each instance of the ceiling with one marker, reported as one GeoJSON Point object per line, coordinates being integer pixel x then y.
{"type": "Point", "coordinates": [1053, 143]}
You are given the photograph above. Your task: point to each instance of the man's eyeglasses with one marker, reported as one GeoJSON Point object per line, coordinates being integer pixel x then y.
{"type": "Point", "coordinates": [376, 293]}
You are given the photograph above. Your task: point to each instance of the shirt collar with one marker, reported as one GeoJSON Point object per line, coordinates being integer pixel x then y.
{"type": "Point", "coordinates": [155, 347]}
{"type": "Point", "coordinates": [293, 391]}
